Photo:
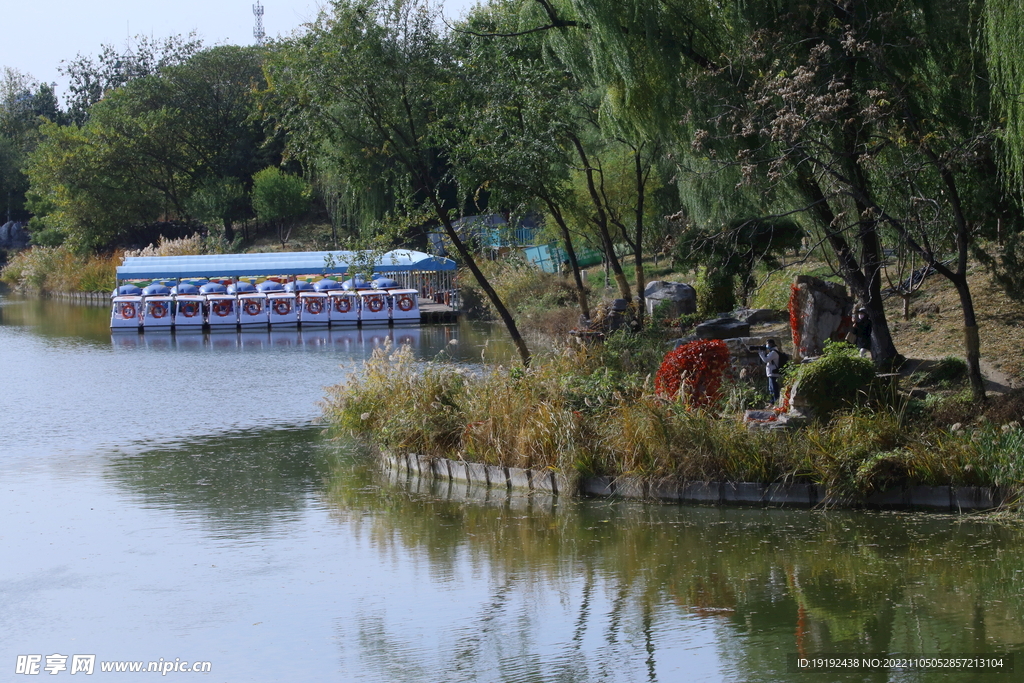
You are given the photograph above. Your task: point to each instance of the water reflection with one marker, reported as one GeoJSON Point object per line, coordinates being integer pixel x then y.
{"type": "Point", "coordinates": [240, 480]}
{"type": "Point", "coordinates": [635, 585]}
{"type": "Point", "coordinates": [66, 323]}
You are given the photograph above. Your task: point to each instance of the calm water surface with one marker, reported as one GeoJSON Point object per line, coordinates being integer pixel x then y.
{"type": "Point", "coordinates": [173, 497]}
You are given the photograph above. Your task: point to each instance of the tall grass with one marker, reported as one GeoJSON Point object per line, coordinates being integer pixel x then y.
{"type": "Point", "coordinates": [59, 269]}
{"type": "Point", "coordinates": [556, 415]}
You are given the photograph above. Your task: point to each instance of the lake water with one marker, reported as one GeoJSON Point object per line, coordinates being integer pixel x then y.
{"type": "Point", "coordinates": [173, 498]}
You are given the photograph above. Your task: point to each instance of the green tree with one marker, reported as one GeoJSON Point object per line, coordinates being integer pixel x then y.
{"type": "Point", "coordinates": [220, 200]}
{"type": "Point", "coordinates": [150, 144]}
{"type": "Point", "coordinates": [280, 198]}
{"type": "Point", "coordinates": [92, 77]}
{"type": "Point", "coordinates": [507, 132]}
{"type": "Point", "coordinates": [368, 85]}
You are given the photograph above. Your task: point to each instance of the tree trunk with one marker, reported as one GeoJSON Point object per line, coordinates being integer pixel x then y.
{"type": "Point", "coordinates": [229, 231]}
{"type": "Point", "coordinates": [581, 291]}
{"type": "Point", "coordinates": [972, 342]}
{"type": "Point", "coordinates": [600, 219]}
{"type": "Point", "coordinates": [867, 290]}
{"type": "Point", "coordinates": [467, 257]}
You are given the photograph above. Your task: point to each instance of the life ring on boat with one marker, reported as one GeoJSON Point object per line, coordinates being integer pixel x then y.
{"type": "Point", "coordinates": [282, 307]}
{"type": "Point", "coordinates": [189, 309]}
{"type": "Point", "coordinates": [375, 304]}
{"type": "Point", "coordinates": [342, 304]}
{"type": "Point", "coordinates": [405, 303]}
{"type": "Point", "coordinates": [314, 306]}
{"type": "Point", "coordinates": [252, 307]}
{"type": "Point", "coordinates": [158, 309]}
{"type": "Point", "coordinates": [127, 311]}
{"type": "Point", "coordinates": [222, 307]}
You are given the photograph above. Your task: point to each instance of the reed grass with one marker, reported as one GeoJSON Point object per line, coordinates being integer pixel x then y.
{"type": "Point", "coordinates": [59, 269]}
{"type": "Point", "coordinates": [573, 414]}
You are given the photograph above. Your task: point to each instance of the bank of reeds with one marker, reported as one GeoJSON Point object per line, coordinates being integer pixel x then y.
{"type": "Point", "coordinates": [572, 414]}
{"type": "Point", "coordinates": [59, 269]}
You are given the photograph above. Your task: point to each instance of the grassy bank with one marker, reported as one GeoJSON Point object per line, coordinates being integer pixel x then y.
{"type": "Point", "coordinates": [595, 412]}
{"type": "Point", "coordinates": [58, 269]}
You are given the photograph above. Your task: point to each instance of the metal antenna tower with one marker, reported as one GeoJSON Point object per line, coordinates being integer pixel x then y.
{"type": "Point", "coordinates": [257, 32]}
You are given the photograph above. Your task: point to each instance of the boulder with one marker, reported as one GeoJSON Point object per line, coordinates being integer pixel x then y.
{"type": "Point", "coordinates": [13, 235]}
{"type": "Point", "coordinates": [682, 297]}
{"type": "Point", "coordinates": [757, 316]}
{"type": "Point", "coordinates": [823, 310]}
{"type": "Point", "coordinates": [722, 328]}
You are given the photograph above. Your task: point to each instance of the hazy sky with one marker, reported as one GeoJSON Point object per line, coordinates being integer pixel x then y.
{"type": "Point", "coordinates": [39, 34]}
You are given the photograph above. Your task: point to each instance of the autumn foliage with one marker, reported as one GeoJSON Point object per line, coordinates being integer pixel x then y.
{"type": "Point", "coordinates": [698, 368]}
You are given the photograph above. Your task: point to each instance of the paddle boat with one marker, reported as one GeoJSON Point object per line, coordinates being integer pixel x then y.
{"type": "Point", "coordinates": [253, 310]}
{"type": "Point", "coordinates": [157, 307]}
{"type": "Point", "coordinates": [373, 307]}
{"type": "Point", "coordinates": [158, 312]}
{"type": "Point", "coordinates": [223, 311]}
{"type": "Point", "coordinates": [405, 307]}
{"type": "Point", "coordinates": [126, 313]}
{"type": "Point", "coordinates": [314, 309]}
{"type": "Point", "coordinates": [189, 308]}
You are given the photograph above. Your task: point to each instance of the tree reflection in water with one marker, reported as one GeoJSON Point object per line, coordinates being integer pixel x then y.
{"type": "Point", "coordinates": [635, 584]}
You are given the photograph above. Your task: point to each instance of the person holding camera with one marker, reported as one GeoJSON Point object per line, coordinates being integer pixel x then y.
{"type": "Point", "coordinates": [773, 363]}
{"type": "Point", "coordinates": [861, 333]}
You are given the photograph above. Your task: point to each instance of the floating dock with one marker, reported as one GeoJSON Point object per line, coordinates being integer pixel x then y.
{"type": "Point", "coordinates": [283, 289]}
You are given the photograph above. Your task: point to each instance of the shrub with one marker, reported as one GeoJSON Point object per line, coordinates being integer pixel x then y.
{"type": "Point", "coordinates": [696, 368]}
{"type": "Point", "coordinates": [948, 372]}
{"type": "Point", "coordinates": [59, 269]}
{"type": "Point", "coordinates": [716, 292]}
{"type": "Point", "coordinates": [837, 380]}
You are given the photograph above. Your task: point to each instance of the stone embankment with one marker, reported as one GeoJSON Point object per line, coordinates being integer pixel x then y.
{"type": "Point", "coordinates": [936, 498]}
{"type": "Point", "coordinates": [91, 298]}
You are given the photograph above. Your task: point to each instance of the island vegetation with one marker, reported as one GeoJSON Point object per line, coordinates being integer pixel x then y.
{"type": "Point", "coordinates": [877, 143]}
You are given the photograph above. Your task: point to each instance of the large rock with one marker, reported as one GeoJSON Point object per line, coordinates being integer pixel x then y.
{"type": "Point", "coordinates": [682, 297]}
{"type": "Point", "coordinates": [823, 311]}
{"type": "Point", "coordinates": [757, 316]}
{"type": "Point", "coordinates": [722, 328]}
{"type": "Point", "coordinates": [13, 235]}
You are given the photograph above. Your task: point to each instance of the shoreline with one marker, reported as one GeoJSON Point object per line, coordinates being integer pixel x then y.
{"type": "Point", "coordinates": [955, 499]}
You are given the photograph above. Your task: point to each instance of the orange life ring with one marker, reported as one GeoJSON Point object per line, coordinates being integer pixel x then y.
{"type": "Point", "coordinates": [375, 304]}
{"type": "Point", "coordinates": [314, 305]}
{"type": "Point", "coordinates": [127, 311]}
{"type": "Point", "coordinates": [342, 304]}
{"type": "Point", "coordinates": [189, 309]}
{"type": "Point", "coordinates": [158, 309]}
{"type": "Point", "coordinates": [405, 303]}
{"type": "Point", "coordinates": [222, 307]}
{"type": "Point", "coordinates": [282, 307]}
{"type": "Point", "coordinates": [252, 307]}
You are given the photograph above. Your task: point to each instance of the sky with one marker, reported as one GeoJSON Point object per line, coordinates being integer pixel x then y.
{"type": "Point", "coordinates": [39, 34]}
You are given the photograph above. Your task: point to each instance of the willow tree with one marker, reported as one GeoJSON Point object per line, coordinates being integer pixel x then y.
{"type": "Point", "coordinates": [849, 112]}
{"type": "Point", "coordinates": [366, 88]}
{"type": "Point", "coordinates": [507, 130]}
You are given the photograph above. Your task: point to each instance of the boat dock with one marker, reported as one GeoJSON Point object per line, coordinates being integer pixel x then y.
{"type": "Point", "coordinates": [280, 290]}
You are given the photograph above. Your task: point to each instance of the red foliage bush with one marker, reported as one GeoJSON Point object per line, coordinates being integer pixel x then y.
{"type": "Point", "coordinates": [794, 317]}
{"type": "Point", "coordinates": [699, 367]}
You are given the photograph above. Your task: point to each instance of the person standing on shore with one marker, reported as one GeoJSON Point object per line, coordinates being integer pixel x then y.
{"type": "Point", "coordinates": [772, 364]}
{"type": "Point", "coordinates": [862, 333]}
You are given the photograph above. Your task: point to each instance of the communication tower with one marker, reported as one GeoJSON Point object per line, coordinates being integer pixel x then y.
{"type": "Point", "coordinates": [257, 32]}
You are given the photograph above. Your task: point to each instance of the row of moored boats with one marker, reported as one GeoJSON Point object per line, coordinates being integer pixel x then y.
{"type": "Point", "coordinates": [196, 304]}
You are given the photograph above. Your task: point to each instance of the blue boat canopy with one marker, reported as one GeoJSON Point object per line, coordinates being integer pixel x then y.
{"type": "Point", "coordinates": [280, 263]}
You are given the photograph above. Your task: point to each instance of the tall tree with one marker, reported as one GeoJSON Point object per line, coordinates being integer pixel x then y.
{"type": "Point", "coordinates": [148, 145]}
{"type": "Point", "coordinates": [369, 80]}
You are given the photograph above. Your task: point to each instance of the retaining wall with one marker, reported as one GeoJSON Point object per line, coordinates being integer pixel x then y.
{"type": "Point", "coordinates": [91, 298]}
{"type": "Point", "coordinates": [937, 498]}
